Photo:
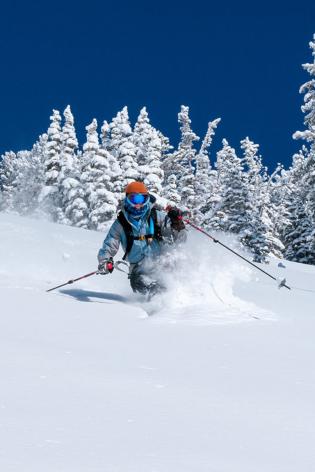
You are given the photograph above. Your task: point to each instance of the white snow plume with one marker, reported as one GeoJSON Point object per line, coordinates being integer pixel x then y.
{"type": "Point", "coordinates": [201, 280]}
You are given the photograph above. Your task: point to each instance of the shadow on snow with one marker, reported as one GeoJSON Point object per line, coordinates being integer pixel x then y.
{"type": "Point", "coordinates": [87, 295]}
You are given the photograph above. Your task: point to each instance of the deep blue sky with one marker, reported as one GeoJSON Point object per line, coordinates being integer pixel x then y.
{"type": "Point", "coordinates": [239, 61]}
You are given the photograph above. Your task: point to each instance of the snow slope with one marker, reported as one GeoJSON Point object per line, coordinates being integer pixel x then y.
{"type": "Point", "coordinates": [220, 379]}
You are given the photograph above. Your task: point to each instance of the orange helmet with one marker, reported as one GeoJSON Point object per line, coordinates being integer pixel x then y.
{"type": "Point", "coordinates": [136, 187]}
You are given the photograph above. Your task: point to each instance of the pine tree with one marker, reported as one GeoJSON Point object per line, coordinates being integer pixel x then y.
{"type": "Point", "coordinates": [166, 146]}
{"type": "Point", "coordinates": [122, 147]}
{"type": "Point", "coordinates": [50, 198]}
{"type": "Point", "coordinates": [253, 166]}
{"type": "Point", "coordinates": [180, 163]}
{"type": "Point", "coordinates": [230, 211]}
{"type": "Point", "coordinates": [35, 181]}
{"type": "Point", "coordinates": [170, 190]}
{"type": "Point", "coordinates": [298, 235]}
{"type": "Point", "coordinates": [7, 181]}
{"type": "Point", "coordinates": [204, 176]}
{"type": "Point", "coordinates": [141, 136]}
{"type": "Point", "coordinates": [116, 172]}
{"type": "Point", "coordinates": [152, 172]}
{"type": "Point", "coordinates": [68, 178]}
{"type": "Point", "coordinates": [308, 179]}
{"type": "Point", "coordinates": [148, 152]}
{"type": "Point", "coordinates": [255, 233]}
{"type": "Point", "coordinates": [309, 101]}
{"type": "Point", "coordinates": [187, 153]}
{"type": "Point", "coordinates": [25, 172]}
{"type": "Point", "coordinates": [96, 178]}
{"type": "Point", "coordinates": [76, 209]}
{"type": "Point", "coordinates": [16, 175]}
{"type": "Point", "coordinates": [53, 150]}
{"type": "Point", "coordinates": [105, 136]}
{"type": "Point", "coordinates": [166, 157]}
{"type": "Point", "coordinates": [25, 188]}
{"type": "Point", "coordinates": [69, 139]}
{"type": "Point", "coordinates": [297, 227]}
{"type": "Point", "coordinates": [260, 234]}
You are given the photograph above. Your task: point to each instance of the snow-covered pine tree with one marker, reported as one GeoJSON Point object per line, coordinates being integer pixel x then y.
{"type": "Point", "coordinates": [122, 147]}
{"type": "Point", "coordinates": [255, 234]}
{"type": "Point", "coordinates": [96, 178]}
{"type": "Point", "coordinates": [169, 184]}
{"type": "Point", "coordinates": [28, 178]}
{"type": "Point", "coordinates": [26, 184]}
{"type": "Point", "coordinates": [180, 162]}
{"type": "Point", "coordinates": [7, 181]}
{"type": "Point", "coordinates": [17, 175]}
{"type": "Point", "coordinates": [152, 172]}
{"type": "Point", "coordinates": [76, 210]}
{"type": "Point", "coordinates": [116, 172]}
{"type": "Point", "coordinates": [69, 140]}
{"type": "Point", "coordinates": [231, 200]}
{"type": "Point", "coordinates": [205, 176]}
{"type": "Point", "coordinates": [309, 101]}
{"type": "Point", "coordinates": [141, 136]}
{"type": "Point", "coordinates": [73, 210]}
{"type": "Point", "coordinates": [308, 135]}
{"type": "Point", "coordinates": [50, 198]}
{"type": "Point", "coordinates": [298, 235]}
{"type": "Point", "coordinates": [253, 166]}
{"type": "Point", "coordinates": [166, 146]}
{"type": "Point", "coordinates": [148, 152]}
{"type": "Point", "coordinates": [260, 233]}
{"type": "Point", "coordinates": [119, 131]}
{"type": "Point", "coordinates": [297, 228]}
{"type": "Point", "coordinates": [35, 180]}
{"type": "Point", "coordinates": [53, 150]}
{"type": "Point", "coordinates": [186, 183]}
{"type": "Point", "coordinates": [105, 136]}
{"type": "Point", "coordinates": [170, 190]}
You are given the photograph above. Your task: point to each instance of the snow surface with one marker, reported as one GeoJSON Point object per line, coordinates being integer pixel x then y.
{"type": "Point", "coordinates": [219, 379]}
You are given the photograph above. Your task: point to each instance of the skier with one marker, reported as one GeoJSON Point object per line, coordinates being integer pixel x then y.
{"type": "Point", "coordinates": [142, 230]}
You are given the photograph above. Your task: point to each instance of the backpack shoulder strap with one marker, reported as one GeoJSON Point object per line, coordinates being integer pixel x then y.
{"type": "Point", "coordinates": [157, 227]}
{"type": "Point", "coordinates": [128, 232]}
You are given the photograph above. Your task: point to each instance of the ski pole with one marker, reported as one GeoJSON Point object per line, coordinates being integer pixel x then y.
{"type": "Point", "coordinates": [72, 281]}
{"type": "Point", "coordinates": [116, 265]}
{"type": "Point", "coordinates": [282, 283]}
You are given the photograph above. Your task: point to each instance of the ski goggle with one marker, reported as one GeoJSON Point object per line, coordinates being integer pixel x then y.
{"type": "Point", "coordinates": [137, 198]}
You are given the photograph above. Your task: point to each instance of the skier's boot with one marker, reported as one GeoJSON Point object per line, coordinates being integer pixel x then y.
{"type": "Point", "coordinates": [142, 283]}
{"type": "Point", "coordinates": [155, 288]}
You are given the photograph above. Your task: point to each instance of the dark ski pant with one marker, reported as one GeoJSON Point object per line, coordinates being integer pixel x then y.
{"type": "Point", "coordinates": [143, 279]}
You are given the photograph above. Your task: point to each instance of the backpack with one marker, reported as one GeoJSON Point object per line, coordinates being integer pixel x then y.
{"type": "Point", "coordinates": [157, 235]}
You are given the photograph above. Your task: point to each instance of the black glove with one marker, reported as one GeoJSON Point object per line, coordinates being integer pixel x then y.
{"type": "Point", "coordinates": [176, 217]}
{"type": "Point", "coordinates": [106, 266]}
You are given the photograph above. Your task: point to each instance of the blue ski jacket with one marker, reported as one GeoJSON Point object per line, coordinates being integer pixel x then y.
{"type": "Point", "coordinates": [141, 248]}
